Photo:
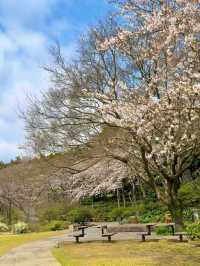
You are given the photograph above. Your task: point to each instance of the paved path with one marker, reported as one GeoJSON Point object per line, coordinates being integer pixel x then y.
{"type": "Point", "coordinates": [38, 253]}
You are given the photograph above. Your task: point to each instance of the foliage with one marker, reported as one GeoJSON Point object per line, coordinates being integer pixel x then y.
{"type": "Point", "coordinates": [2, 219]}
{"type": "Point", "coordinates": [189, 193]}
{"type": "Point", "coordinates": [152, 216]}
{"type": "Point", "coordinates": [3, 227]}
{"type": "Point", "coordinates": [188, 214]}
{"type": "Point", "coordinates": [21, 228]}
{"type": "Point", "coordinates": [52, 213]}
{"type": "Point", "coordinates": [101, 214]}
{"type": "Point", "coordinates": [2, 165]}
{"type": "Point", "coordinates": [163, 230]}
{"type": "Point", "coordinates": [36, 227]}
{"type": "Point", "coordinates": [118, 214]}
{"type": "Point", "coordinates": [146, 211]}
{"type": "Point", "coordinates": [80, 215]}
{"type": "Point", "coordinates": [55, 226]}
{"type": "Point", "coordinates": [194, 230]}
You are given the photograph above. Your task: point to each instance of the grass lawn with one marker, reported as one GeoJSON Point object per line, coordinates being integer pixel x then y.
{"type": "Point", "coordinates": [8, 242]}
{"type": "Point", "coordinates": [128, 253]}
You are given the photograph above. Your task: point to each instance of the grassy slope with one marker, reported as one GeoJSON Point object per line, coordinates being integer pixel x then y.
{"type": "Point", "coordinates": [128, 253]}
{"type": "Point", "coordinates": [7, 242]}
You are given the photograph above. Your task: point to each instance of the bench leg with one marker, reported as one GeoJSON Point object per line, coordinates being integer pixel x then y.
{"type": "Point", "coordinates": [77, 239]}
{"type": "Point", "coordinates": [109, 238]}
{"type": "Point", "coordinates": [181, 238]}
{"type": "Point", "coordinates": [143, 238]}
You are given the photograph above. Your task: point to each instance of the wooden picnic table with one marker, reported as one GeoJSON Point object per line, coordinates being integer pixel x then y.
{"type": "Point", "coordinates": [149, 227]}
{"type": "Point", "coordinates": [141, 229]}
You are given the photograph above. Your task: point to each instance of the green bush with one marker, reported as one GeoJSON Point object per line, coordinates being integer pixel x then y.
{"type": "Point", "coordinates": [100, 214]}
{"type": "Point", "coordinates": [2, 219]}
{"type": "Point", "coordinates": [189, 193]}
{"type": "Point", "coordinates": [3, 227]}
{"type": "Point", "coordinates": [193, 230]}
{"type": "Point", "coordinates": [139, 208]}
{"type": "Point", "coordinates": [119, 214]}
{"type": "Point", "coordinates": [21, 228]}
{"type": "Point", "coordinates": [55, 213]}
{"type": "Point", "coordinates": [188, 215]}
{"type": "Point", "coordinates": [163, 230]}
{"type": "Point", "coordinates": [152, 216]}
{"type": "Point", "coordinates": [80, 215]}
{"type": "Point", "coordinates": [55, 226]}
{"type": "Point", "coordinates": [35, 227]}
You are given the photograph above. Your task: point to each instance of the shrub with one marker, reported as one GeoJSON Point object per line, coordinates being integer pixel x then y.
{"type": "Point", "coordinates": [119, 214]}
{"type": "Point", "coordinates": [132, 219]}
{"type": "Point", "coordinates": [163, 230]}
{"type": "Point", "coordinates": [34, 227]}
{"type": "Point", "coordinates": [80, 215]}
{"type": "Point", "coordinates": [188, 214]}
{"type": "Point", "coordinates": [2, 219]}
{"type": "Point", "coordinates": [101, 214]}
{"type": "Point", "coordinates": [139, 208]}
{"type": "Point", "coordinates": [21, 228]}
{"type": "Point", "coordinates": [189, 192]}
{"type": "Point", "coordinates": [193, 230]}
{"type": "Point", "coordinates": [152, 216]}
{"type": "Point", "coordinates": [55, 213]}
{"type": "Point", "coordinates": [56, 225]}
{"type": "Point", "coordinates": [3, 227]}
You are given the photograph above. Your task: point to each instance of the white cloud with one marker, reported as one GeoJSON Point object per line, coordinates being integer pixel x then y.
{"type": "Point", "coordinates": [23, 50]}
{"type": "Point", "coordinates": [24, 12]}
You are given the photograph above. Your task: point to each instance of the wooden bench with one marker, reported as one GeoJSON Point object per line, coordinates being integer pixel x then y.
{"type": "Point", "coordinates": [180, 235]}
{"type": "Point", "coordinates": [77, 235]}
{"type": "Point", "coordinates": [105, 233]}
{"type": "Point", "coordinates": [143, 235]}
{"type": "Point", "coordinates": [172, 227]}
{"type": "Point", "coordinates": [142, 230]}
{"type": "Point", "coordinates": [79, 231]}
{"type": "Point", "coordinates": [108, 235]}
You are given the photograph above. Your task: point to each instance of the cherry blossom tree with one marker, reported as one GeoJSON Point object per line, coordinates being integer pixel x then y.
{"type": "Point", "coordinates": [140, 78]}
{"type": "Point", "coordinates": [164, 120]}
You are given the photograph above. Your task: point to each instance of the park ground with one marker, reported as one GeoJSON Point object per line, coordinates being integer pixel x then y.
{"type": "Point", "coordinates": [42, 249]}
{"type": "Point", "coordinates": [129, 253]}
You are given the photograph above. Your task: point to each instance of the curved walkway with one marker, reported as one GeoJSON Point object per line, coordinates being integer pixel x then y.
{"type": "Point", "coordinates": [36, 253]}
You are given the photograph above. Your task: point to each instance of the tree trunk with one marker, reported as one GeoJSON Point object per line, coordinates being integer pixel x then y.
{"type": "Point", "coordinates": [133, 192]}
{"type": "Point", "coordinates": [123, 198]}
{"type": "Point", "coordinates": [176, 211]}
{"type": "Point", "coordinates": [10, 212]}
{"type": "Point", "coordinates": [118, 198]}
{"type": "Point", "coordinates": [174, 204]}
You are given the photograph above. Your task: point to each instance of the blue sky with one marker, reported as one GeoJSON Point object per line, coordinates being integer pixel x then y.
{"type": "Point", "coordinates": [27, 29]}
